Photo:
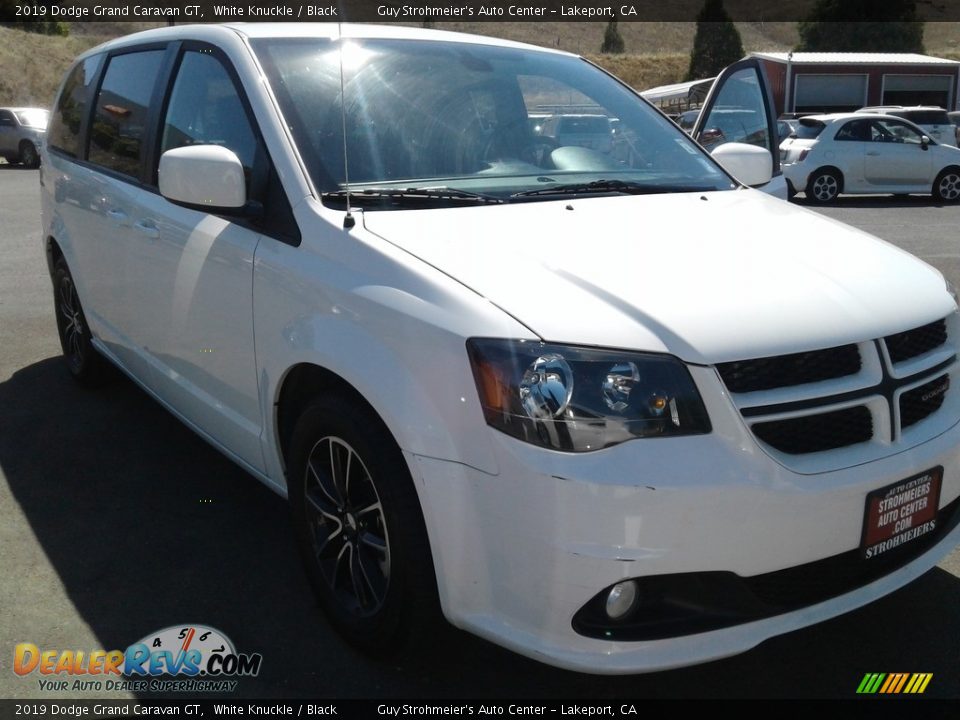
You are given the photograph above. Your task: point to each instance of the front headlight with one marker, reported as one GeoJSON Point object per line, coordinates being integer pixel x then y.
{"type": "Point", "coordinates": [581, 399]}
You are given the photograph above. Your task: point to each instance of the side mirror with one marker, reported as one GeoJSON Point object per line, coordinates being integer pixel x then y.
{"type": "Point", "coordinates": [749, 164]}
{"type": "Point", "coordinates": [924, 142]}
{"type": "Point", "coordinates": [203, 177]}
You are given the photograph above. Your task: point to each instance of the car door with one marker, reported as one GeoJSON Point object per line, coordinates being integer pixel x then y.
{"type": "Point", "coordinates": [897, 158]}
{"type": "Point", "coordinates": [739, 108]}
{"type": "Point", "coordinates": [849, 148]}
{"type": "Point", "coordinates": [198, 266]}
{"type": "Point", "coordinates": [100, 196]}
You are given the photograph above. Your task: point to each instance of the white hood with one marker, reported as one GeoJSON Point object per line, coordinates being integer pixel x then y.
{"type": "Point", "coordinates": [707, 277]}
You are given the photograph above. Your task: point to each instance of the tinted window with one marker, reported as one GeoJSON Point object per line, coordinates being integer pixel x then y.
{"type": "Point", "coordinates": [857, 130]}
{"type": "Point", "coordinates": [64, 131]}
{"type": "Point", "coordinates": [6, 118]}
{"type": "Point", "coordinates": [924, 117]}
{"type": "Point", "coordinates": [205, 109]}
{"type": "Point", "coordinates": [120, 123]}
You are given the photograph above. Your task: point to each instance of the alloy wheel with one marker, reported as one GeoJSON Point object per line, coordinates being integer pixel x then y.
{"type": "Point", "coordinates": [347, 527]}
{"type": "Point", "coordinates": [71, 325]}
{"type": "Point", "coordinates": [825, 188]}
{"type": "Point", "coordinates": [949, 186]}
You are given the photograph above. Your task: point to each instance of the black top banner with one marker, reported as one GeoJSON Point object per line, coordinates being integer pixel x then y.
{"type": "Point", "coordinates": [426, 709]}
{"type": "Point", "coordinates": [439, 11]}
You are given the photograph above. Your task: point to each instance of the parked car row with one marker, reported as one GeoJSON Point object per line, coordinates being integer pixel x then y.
{"type": "Point", "coordinates": [882, 149]}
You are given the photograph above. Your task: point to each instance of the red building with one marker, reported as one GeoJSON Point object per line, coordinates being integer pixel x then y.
{"type": "Point", "coordinates": [836, 82]}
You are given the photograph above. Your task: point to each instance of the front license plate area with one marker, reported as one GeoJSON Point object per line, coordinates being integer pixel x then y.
{"type": "Point", "coordinates": [900, 513]}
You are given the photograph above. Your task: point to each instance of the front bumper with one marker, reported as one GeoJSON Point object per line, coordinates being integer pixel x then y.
{"type": "Point", "coordinates": [517, 554]}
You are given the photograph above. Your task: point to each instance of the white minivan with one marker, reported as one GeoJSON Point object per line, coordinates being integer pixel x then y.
{"type": "Point", "coordinates": [608, 407]}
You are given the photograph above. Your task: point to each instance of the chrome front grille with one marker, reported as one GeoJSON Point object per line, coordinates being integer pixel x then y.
{"type": "Point", "coordinates": [876, 396]}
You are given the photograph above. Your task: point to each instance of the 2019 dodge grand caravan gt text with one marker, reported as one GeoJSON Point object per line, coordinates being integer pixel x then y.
{"type": "Point", "coordinates": [492, 376]}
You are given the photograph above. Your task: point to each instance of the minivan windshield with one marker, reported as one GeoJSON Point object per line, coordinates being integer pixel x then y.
{"type": "Point", "coordinates": [460, 122]}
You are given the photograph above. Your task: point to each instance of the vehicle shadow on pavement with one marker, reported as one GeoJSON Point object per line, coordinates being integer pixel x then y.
{"type": "Point", "coordinates": [877, 201]}
{"type": "Point", "coordinates": [148, 527]}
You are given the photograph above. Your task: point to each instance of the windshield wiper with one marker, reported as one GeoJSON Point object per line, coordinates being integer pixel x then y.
{"type": "Point", "coordinates": [411, 197]}
{"type": "Point", "coordinates": [624, 187]}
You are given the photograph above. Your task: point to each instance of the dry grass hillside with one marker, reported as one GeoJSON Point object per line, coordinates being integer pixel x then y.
{"type": "Point", "coordinates": [657, 52]}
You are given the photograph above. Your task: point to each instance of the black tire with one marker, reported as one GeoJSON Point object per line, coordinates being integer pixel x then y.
{"type": "Point", "coordinates": [946, 188]}
{"type": "Point", "coordinates": [791, 191]}
{"type": "Point", "coordinates": [359, 528]}
{"type": "Point", "coordinates": [86, 365]}
{"type": "Point", "coordinates": [29, 157]}
{"type": "Point", "coordinates": [824, 186]}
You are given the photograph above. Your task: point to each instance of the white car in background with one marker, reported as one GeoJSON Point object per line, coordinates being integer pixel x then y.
{"type": "Point", "coordinates": [851, 153]}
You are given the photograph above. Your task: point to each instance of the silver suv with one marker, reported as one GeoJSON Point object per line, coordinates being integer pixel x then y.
{"type": "Point", "coordinates": [934, 121]}
{"type": "Point", "coordinates": [22, 131]}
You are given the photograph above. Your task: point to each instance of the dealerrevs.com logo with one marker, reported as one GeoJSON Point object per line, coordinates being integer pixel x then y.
{"type": "Point", "coordinates": [180, 658]}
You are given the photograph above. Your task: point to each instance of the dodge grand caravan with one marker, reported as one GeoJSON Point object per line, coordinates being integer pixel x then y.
{"type": "Point", "coordinates": [496, 379]}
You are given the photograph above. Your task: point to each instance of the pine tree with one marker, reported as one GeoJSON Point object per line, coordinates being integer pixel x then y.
{"type": "Point", "coordinates": [612, 40]}
{"type": "Point", "coordinates": [862, 26]}
{"type": "Point", "coordinates": [716, 44]}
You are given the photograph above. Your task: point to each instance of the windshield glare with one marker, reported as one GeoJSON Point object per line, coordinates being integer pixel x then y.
{"type": "Point", "coordinates": [33, 118]}
{"type": "Point", "coordinates": [477, 118]}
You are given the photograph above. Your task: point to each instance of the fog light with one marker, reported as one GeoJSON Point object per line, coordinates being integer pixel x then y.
{"type": "Point", "coordinates": [621, 599]}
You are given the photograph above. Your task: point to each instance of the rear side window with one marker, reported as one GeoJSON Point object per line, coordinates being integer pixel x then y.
{"type": "Point", "coordinates": [64, 131]}
{"type": "Point", "coordinates": [120, 124]}
{"type": "Point", "coordinates": [856, 130]}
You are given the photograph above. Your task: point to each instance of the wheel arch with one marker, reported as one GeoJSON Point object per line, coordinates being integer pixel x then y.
{"type": "Point", "coordinates": [831, 168]}
{"type": "Point", "coordinates": [52, 251]}
{"type": "Point", "coordinates": [300, 385]}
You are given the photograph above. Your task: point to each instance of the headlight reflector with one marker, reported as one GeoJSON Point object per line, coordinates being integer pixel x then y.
{"type": "Point", "coordinates": [546, 387]}
{"type": "Point", "coordinates": [581, 399]}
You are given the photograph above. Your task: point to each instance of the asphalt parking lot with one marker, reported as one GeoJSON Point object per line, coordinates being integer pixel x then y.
{"type": "Point", "coordinates": [116, 521]}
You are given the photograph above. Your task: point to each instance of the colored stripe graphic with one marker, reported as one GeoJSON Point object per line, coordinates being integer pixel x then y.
{"type": "Point", "coordinates": [903, 680]}
{"type": "Point", "coordinates": [894, 683]}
